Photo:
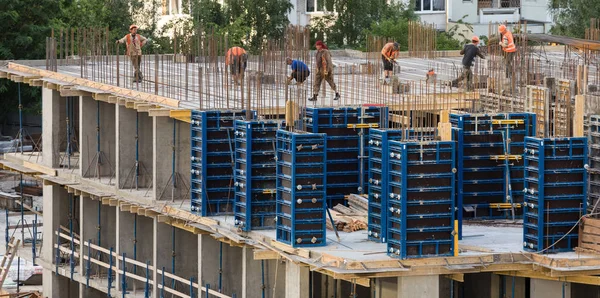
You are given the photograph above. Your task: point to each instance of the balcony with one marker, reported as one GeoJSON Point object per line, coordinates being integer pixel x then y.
{"type": "Point", "coordinates": [497, 11]}
{"type": "Point", "coordinates": [483, 4]}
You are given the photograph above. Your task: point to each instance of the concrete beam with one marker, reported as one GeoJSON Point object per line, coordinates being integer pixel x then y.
{"type": "Point", "coordinates": [418, 286]}
{"type": "Point", "coordinates": [549, 289]}
{"type": "Point", "coordinates": [52, 127]}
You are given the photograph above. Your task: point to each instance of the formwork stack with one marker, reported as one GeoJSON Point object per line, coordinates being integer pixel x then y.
{"type": "Point", "coordinates": [255, 174]}
{"type": "Point", "coordinates": [212, 161]}
{"type": "Point", "coordinates": [379, 156]}
{"type": "Point", "coordinates": [555, 192]}
{"type": "Point", "coordinates": [347, 131]}
{"type": "Point", "coordinates": [421, 204]}
{"type": "Point", "coordinates": [301, 188]}
{"type": "Point", "coordinates": [490, 163]}
{"type": "Point", "coordinates": [594, 163]}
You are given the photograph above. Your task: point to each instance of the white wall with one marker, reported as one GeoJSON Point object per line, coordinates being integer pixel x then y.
{"type": "Point", "coordinates": [437, 18]}
{"type": "Point", "coordinates": [536, 10]}
{"type": "Point", "coordinates": [459, 8]}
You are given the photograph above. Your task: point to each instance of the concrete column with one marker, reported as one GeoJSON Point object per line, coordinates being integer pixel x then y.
{"type": "Point", "coordinates": [52, 118]}
{"type": "Point", "coordinates": [296, 281]}
{"type": "Point", "coordinates": [56, 210]}
{"type": "Point", "coordinates": [98, 119]}
{"type": "Point", "coordinates": [162, 162]}
{"type": "Point", "coordinates": [418, 286]}
{"type": "Point", "coordinates": [549, 289]}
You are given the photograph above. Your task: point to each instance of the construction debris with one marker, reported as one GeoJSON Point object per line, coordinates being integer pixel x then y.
{"type": "Point", "coordinates": [347, 223]}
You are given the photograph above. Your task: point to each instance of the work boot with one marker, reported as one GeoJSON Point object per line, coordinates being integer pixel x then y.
{"type": "Point", "coordinates": [314, 98]}
{"type": "Point", "coordinates": [337, 96]}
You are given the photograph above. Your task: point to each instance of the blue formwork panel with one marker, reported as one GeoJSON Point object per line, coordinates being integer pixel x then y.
{"type": "Point", "coordinates": [421, 200]}
{"type": "Point", "coordinates": [347, 130]}
{"type": "Point", "coordinates": [555, 192]}
{"type": "Point", "coordinates": [212, 161]}
{"type": "Point", "coordinates": [378, 169]}
{"type": "Point", "coordinates": [378, 174]}
{"type": "Point", "coordinates": [255, 174]}
{"type": "Point", "coordinates": [482, 179]}
{"type": "Point", "coordinates": [593, 133]}
{"type": "Point", "coordinates": [301, 188]}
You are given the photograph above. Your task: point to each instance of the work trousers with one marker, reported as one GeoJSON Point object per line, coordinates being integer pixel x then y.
{"type": "Point", "coordinates": [509, 61]}
{"type": "Point", "coordinates": [319, 79]}
{"type": "Point", "coordinates": [467, 74]}
{"type": "Point", "coordinates": [136, 61]}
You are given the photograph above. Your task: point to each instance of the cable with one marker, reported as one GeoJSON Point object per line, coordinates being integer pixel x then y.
{"type": "Point", "coordinates": [569, 232]}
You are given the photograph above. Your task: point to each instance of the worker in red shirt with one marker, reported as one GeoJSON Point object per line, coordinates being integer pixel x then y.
{"type": "Point", "coordinates": [507, 42]}
{"type": "Point", "coordinates": [388, 56]}
{"type": "Point", "coordinates": [134, 43]}
{"type": "Point", "coordinates": [237, 60]}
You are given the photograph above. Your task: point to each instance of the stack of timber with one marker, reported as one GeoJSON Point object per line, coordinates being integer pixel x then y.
{"type": "Point", "coordinates": [589, 234]}
{"type": "Point", "coordinates": [350, 218]}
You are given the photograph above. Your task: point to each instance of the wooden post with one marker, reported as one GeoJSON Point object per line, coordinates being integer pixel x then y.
{"type": "Point", "coordinates": [578, 116]}
{"type": "Point", "coordinates": [444, 126]}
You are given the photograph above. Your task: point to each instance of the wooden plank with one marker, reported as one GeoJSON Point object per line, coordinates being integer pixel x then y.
{"type": "Point", "coordinates": [578, 115]}
{"type": "Point", "coordinates": [159, 112]}
{"type": "Point", "coordinates": [3, 75]}
{"type": "Point", "coordinates": [265, 254]}
{"type": "Point", "coordinates": [123, 206]}
{"type": "Point", "coordinates": [164, 218]}
{"type": "Point", "coordinates": [112, 99]}
{"type": "Point", "coordinates": [587, 238]}
{"type": "Point", "coordinates": [182, 115]}
{"type": "Point", "coordinates": [130, 104]}
{"type": "Point", "coordinates": [143, 107]}
{"type": "Point", "coordinates": [460, 277]}
{"type": "Point", "coordinates": [445, 116]}
{"type": "Point", "coordinates": [113, 202]}
{"type": "Point", "coordinates": [36, 83]}
{"type": "Point", "coordinates": [106, 201]}
{"type": "Point", "coordinates": [305, 253]}
{"type": "Point", "coordinates": [445, 131]}
{"type": "Point", "coordinates": [73, 80]}
{"type": "Point", "coordinates": [591, 230]}
{"type": "Point", "coordinates": [591, 222]}
{"type": "Point", "coordinates": [40, 168]}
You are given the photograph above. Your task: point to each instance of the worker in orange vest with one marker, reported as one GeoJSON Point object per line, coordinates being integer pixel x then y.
{"type": "Point", "coordinates": [507, 42]}
{"type": "Point", "coordinates": [134, 43]}
{"type": "Point", "coordinates": [237, 59]}
{"type": "Point", "coordinates": [388, 56]}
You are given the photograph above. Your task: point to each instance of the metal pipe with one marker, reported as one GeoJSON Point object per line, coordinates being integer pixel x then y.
{"type": "Point", "coordinates": [20, 122]}
{"type": "Point", "coordinates": [22, 210]}
{"type": "Point", "coordinates": [89, 265]}
{"type": "Point", "coordinates": [262, 265]}
{"type": "Point", "coordinates": [33, 247]}
{"type": "Point", "coordinates": [173, 256]}
{"type": "Point", "coordinates": [207, 290]}
{"type": "Point", "coordinates": [147, 287]}
{"type": "Point", "coordinates": [220, 266]}
{"type": "Point", "coordinates": [124, 278]}
{"type": "Point", "coordinates": [173, 178]}
{"type": "Point", "coordinates": [57, 260]}
{"type": "Point", "coordinates": [6, 229]}
{"type": "Point", "coordinates": [72, 257]}
{"type": "Point", "coordinates": [98, 227]}
{"type": "Point", "coordinates": [137, 151]}
{"type": "Point", "coordinates": [68, 134]}
{"type": "Point", "coordinates": [162, 289]}
{"type": "Point", "coordinates": [135, 241]}
{"type": "Point", "coordinates": [513, 287]}
{"type": "Point", "coordinates": [110, 263]}
{"type": "Point", "coordinates": [98, 161]}
{"type": "Point", "coordinates": [192, 287]}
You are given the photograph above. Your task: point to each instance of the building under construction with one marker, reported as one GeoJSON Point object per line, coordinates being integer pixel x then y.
{"type": "Point", "coordinates": [188, 185]}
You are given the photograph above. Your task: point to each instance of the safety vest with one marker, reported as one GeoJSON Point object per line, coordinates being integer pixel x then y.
{"type": "Point", "coordinates": [388, 50]}
{"type": "Point", "coordinates": [235, 51]}
{"type": "Point", "coordinates": [508, 39]}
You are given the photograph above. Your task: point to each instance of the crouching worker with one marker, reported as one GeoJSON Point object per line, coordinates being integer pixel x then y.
{"type": "Point", "coordinates": [300, 71]}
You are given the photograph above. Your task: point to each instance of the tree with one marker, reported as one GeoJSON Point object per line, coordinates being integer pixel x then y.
{"type": "Point", "coordinates": [266, 18]}
{"type": "Point", "coordinates": [23, 30]}
{"type": "Point", "coordinates": [354, 17]}
{"type": "Point", "coordinates": [572, 17]}
{"type": "Point", "coordinates": [394, 24]}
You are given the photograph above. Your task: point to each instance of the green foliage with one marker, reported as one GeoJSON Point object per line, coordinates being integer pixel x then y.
{"type": "Point", "coordinates": [394, 25]}
{"type": "Point", "coordinates": [354, 16]}
{"type": "Point", "coordinates": [572, 17]}
{"type": "Point", "coordinates": [24, 26]}
{"type": "Point", "coordinates": [445, 42]}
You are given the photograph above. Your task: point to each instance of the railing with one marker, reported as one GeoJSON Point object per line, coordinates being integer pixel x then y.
{"type": "Point", "coordinates": [498, 4]}
{"type": "Point", "coordinates": [91, 253]}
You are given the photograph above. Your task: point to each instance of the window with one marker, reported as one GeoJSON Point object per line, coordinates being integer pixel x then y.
{"type": "Point", "coordinates": [319, 5]}
{"type": "Point", "coordinates": [430, 5]}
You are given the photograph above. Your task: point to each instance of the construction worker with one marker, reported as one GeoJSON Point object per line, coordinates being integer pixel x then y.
{"type": "Point", "coordinates": [469, 52]}
{"type": "Point", "coordinates": [324, 70]}
{"type": "Point", "coordinates": [300, 71]}
{"type": "Point", "coordinates": [237, 59]}
{"type": "Point", "coordinates": [388, 56]}
{"type": "Point", "coordinates": [430, 77]}
{"type": "Point", "coordinates": [134, 43]}
{"type": "Point", "coordinates": [509, 49]}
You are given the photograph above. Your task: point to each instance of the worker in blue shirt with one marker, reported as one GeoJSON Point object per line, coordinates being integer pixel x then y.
{"type": "Point", "coordinates": [300, 71]}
